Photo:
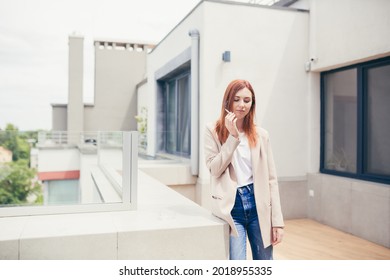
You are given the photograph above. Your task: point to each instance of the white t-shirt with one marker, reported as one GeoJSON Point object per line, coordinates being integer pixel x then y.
{"type": "Point", "coordinates": [243, 162]}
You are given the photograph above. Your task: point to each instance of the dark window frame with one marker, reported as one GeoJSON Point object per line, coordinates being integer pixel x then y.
{"type": "Point", "coordinates": [362, 134]}
{"type": "Point", "coordinates": [164, 84]}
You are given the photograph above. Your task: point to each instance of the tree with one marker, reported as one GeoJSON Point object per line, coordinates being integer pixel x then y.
{"type": "Point", "coordinates": [16, 142]}
{"type": "Point", "coordinates": [16, 183]}
{"type": "Point", "coordinates": [17, 180]}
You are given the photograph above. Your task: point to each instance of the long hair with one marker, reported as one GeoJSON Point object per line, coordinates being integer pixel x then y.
{"type": "Point", "coordinates": [227, 103]}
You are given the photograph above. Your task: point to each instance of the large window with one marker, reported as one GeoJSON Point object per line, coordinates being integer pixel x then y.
{"type": "Point", "coordinates": [176, 122]}
{"type": "Point", "coordinates": [355, 121]}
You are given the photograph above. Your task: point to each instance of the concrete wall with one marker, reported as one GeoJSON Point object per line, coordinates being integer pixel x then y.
{"type": "Point", "coordinates": [59, 117]}
{"type": "Point", "coordinates": [267, 46]}
{"type": "Point", "coordinates": [58, 159]}
{"type": "Point", "coordinates": [75, 116]}
{"type": "Point", "coordinates": [349, 31]}
{"type": "Point", "coordinates": [176, 175]}
{"type": "Point", "coordinates": [344, 33]}
{"type": "Point", "coordinates": [354, 206]}
{"type": "Point", "coordinates": [282, 52]}
{"type": "Point", "coordinates": [170, 52]}
{"type": "Point", "coordinates": [164, 226]}
{"type": "Point", "coordinates": [118, 69]}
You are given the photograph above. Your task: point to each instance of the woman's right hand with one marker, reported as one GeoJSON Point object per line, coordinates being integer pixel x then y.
{"type": "Point", "coordinates": [231, 124]}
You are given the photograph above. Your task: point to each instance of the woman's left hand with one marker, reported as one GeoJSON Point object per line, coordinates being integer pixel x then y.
{"type": "Point", "coordinates": [277, 235]}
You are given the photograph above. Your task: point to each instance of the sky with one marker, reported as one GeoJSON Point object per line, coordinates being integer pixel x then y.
{"type": "Point", "coordinates": [34, 47]}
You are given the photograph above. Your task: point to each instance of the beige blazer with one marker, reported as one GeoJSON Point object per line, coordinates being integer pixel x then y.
{"type": "Point", "coordinates": [223, 181]}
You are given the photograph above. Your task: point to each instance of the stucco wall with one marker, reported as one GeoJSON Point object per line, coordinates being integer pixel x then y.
{"type": "Point", "coordinates": [349, 31]}
{"type": "Point", "coordinates": [75, 116]}
{"type": "Point", "coordinates": [169, 51]}
{"type": "Point", "coordinates": [48, 160]}
{"type": "Point", "coordinates": [59, 117]}
{"type": "Point", "coordinates": [117, 72]}
{"type": "Point", "coordinates": [268, 47]}
{"type": "Point", "coordinates": [354, 206]}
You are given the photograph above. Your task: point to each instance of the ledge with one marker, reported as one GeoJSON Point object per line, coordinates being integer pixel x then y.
{"type": "Point", "coordinates": [166, 225]}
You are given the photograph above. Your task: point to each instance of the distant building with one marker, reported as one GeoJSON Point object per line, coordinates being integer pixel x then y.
{"type": "Point", "coordinates": [119, 67]}
{"type": "Point", "coordinates": [34, 158]}
{"type": "Point", "coordinates": [5, 155]}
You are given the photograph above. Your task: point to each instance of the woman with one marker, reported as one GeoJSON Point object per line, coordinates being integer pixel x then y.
{"type": "Point", "coordinates": [244, 185]}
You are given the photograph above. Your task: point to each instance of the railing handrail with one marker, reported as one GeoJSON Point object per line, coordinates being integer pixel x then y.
{"type": "Point", "coordinates": [79, 137]}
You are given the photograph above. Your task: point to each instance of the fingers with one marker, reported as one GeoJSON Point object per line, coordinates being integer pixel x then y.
{"type": "Point", "coordinates": [231, 123]}
{"type": "Point", "coordinates": [277, 235]}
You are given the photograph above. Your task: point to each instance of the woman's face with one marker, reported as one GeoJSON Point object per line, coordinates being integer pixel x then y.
{"type": "Point", "coordinates": [242, 103]}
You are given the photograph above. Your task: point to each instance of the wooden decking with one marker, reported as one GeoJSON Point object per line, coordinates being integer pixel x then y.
{"type": "Point", "coordinates": [309, 240]}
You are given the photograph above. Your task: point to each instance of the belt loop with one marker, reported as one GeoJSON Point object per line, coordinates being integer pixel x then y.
{"type": "Point", "coordinates": [249, 188]}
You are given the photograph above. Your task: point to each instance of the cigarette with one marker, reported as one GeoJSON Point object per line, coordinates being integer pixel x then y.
{"type": "Point", "coordinates": [227, 110]}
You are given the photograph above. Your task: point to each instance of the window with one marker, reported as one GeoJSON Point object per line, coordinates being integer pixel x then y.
{"type": "Point", "coordinates": [355, 117]}
{"type": "Point", "coordinates": [62, 192]}
{"type": "Point", "coordinates": [176, 121]}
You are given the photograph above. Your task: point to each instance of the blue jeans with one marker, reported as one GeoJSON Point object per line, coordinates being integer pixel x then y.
{"type": "Point", "coordinates": [244, 214]}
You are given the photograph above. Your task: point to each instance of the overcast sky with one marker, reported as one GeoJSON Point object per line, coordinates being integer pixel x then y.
{"type": "Point", "coordinates": [34, 47]}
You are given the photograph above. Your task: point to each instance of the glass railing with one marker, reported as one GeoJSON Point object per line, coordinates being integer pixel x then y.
{"type": "Point", "coordinates": [55, 172]}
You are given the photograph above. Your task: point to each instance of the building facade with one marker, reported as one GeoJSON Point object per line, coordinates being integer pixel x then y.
{"type": "Point", "coordinates": [319, 70]}
{"type": "Point", "coordinates": [316, 76]}
{"type": "Point", "coordinates": [119, 66]}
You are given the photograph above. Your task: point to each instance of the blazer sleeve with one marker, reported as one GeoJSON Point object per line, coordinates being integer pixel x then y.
{"type": "Point", "coordinates": [277, 216]}
{"type": "Point", "coordinates": [218, 157]}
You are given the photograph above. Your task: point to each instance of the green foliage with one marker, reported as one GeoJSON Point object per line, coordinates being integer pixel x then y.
{"type": "Point", "coordinates": [142, 120]}
{"type": "Point", "coordinates": [17, 180]}
{"type": "Point", "coordinates": [16, 142]}
{"type": "Point", "coordinates": [16, 183]}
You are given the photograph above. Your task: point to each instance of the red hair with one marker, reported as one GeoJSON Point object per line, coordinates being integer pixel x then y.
{"type": "Point", "coordinates": [228, 99]}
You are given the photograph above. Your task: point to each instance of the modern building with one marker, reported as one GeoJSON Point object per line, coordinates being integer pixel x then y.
{"type": "Point", "coordinates": [321, 88]}
{"type": "Point", "coordinates": [320, 72]}
{"type": "Point", "coordinates": [119, 67]}
{"type": "Point", "coordinates": [319, 69]}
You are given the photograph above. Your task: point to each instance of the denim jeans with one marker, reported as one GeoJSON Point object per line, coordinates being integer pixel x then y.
{"type": "Point", "coordinates": [244, 214]}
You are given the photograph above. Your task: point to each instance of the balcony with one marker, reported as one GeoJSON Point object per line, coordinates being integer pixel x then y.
{"type": "Point", "coordinates": [158, 223]}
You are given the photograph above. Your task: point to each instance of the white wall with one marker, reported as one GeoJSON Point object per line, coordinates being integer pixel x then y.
{"type": "Point", "coordinates": [341, 33]}
{"type": "Point", "coordinates": [174, 44]}
{"type": "Point", "coordinates": [59, 117]}
{"type": "Point", "coordinates": [58, 160]}
{"type": "Point", "coordinates": [75, 116]}
{"type": "Point", "coordinates": [268, 48]}
{"type": "Point", "coordinates": [349, 31]}
{"type": "Point", "coordinates": [117, 72]}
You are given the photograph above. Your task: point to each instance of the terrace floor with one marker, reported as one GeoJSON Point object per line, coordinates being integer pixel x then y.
{"type": "Point", "coordinates": [309, 240]}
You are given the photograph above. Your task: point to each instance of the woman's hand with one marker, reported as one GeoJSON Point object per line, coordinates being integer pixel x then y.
{"type": "Point", "coordinates": [231, 123]}
{"type": "Point", "coordinates": [277, 235]}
